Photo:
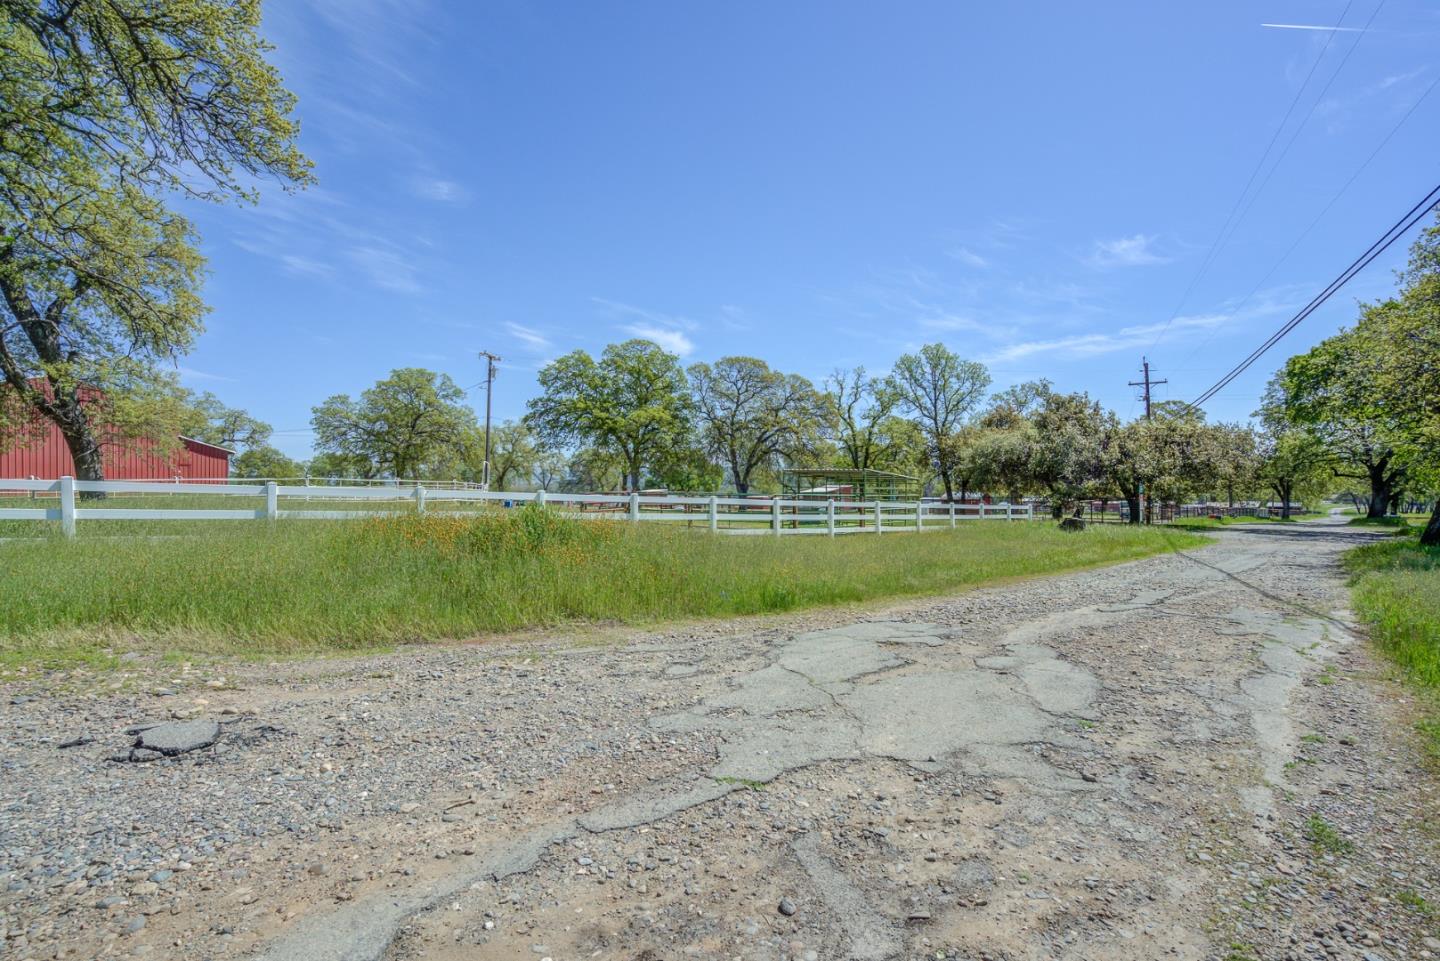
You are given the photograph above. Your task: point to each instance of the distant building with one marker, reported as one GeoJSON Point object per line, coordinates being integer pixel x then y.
{"type": "Point", "coordinates": [43, 454]}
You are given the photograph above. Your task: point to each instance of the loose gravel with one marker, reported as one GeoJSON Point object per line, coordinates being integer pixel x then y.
{"type": "Point", "coordinates": [1190, 756]}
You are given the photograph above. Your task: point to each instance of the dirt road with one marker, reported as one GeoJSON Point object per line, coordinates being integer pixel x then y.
{"type": "Point", "coordinates": [1185, 757]}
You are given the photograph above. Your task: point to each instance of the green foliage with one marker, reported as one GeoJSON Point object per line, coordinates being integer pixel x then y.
{"type": "Point", "coordinates": [940, 389]}
{"type": "Point", "coordinates": [685, 468]}
{"type": "Point", "coordinates": [215, 423]}
{"type": "Point", "coordinates": [399, 425]}
{"type": "Point", "coordinates": [749, 414]}
{"type": "Point", "coordinates": [296, 586]}
{"type": "Point", "coordinates": [1396, 591]}
{"type": "Point", "coordinates": [1067, 458]}
{"type": "Point", "coordinates": [513, 452]}
{"type": "Point", "coordinates": [633, 403]}
{"type": "Point", "coordinates": [332, 465]}
{"type": "Point", "coordinates": [105, 107]}
{"type": "Point", "coordinates": [865, 428]}
{"type": "Point", "coordinates": [265, 462]}
{"type": "Point", "coordinates": [1325, 838]}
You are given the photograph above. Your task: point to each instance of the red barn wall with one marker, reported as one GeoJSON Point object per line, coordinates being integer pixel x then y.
{"type": "Point", "coordinates": [47, 458]}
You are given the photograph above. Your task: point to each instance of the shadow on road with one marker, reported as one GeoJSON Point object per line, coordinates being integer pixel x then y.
{"type": "Point", "coordinates": [1320, 533]}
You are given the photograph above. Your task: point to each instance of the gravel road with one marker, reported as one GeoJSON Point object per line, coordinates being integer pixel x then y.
{"type": "Point", "coordinates": [1188, 757]}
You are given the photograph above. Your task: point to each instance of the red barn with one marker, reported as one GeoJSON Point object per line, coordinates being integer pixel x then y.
{"type": "Point", "coordinates": [43, 454]}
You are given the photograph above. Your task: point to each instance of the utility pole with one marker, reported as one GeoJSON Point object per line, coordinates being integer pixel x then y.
{"type": "Point", "coordinates": [1147, 383]}
{"type": "Point", "coordinates": [490, 361]}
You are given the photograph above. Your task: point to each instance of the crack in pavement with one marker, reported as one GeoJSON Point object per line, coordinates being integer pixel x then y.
{"type": "Point", "coordinates": [871, 936]}
{"type": "Point", "coordinates": [990, 714]}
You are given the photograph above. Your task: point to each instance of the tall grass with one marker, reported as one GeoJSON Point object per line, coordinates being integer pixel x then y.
{"type": "Point", "coordinates": [297, 586]}
{"type": "Point", "coordinates": [1396, 591]}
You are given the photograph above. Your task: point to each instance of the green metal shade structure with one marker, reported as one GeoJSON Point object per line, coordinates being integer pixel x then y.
{"type": "Point", "coordinates": [849, 483]}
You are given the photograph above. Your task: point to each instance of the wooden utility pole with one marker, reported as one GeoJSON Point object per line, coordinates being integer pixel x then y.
{"type": "Point", "coordinates": [490, 361]}
{"type": "Point", "coordinates": [1147, 383]}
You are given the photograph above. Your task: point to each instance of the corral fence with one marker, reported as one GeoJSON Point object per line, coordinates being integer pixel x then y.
{"type": "Point", "coordinates": [270, 501]}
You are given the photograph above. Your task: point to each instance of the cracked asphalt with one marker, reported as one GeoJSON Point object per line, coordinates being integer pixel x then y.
{"type": "Point", "coordinates": [1119, 763]}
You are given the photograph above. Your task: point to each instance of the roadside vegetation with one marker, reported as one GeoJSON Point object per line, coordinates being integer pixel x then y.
{"type": "Point", "coordinates": [1210, 523]}
{"type": "Point", "coordinates": [1396, 592]}
{"type": "Point", "coordinates": [294, 587]}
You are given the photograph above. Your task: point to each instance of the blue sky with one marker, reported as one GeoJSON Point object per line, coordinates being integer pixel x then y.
{"type": "Point", "coordinates": [820, 184]}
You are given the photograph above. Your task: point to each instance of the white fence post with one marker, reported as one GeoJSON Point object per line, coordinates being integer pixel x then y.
{"type": "Point", "coordinates": [919, 516]}
{"type": "Point", "coordinates": [830, 516]}
{"type": "Point", "coordinates": [952, 514]}
{"type": "Point", "coordinates": [634, 506]}
{"type": "Point", "coordinates": [272, 500]}
{"type": "Point", "coordinates": [879, 521]}
{"type": "Point", "coordinates": [775, 515]}
{"type": "Point", "coordinates": [982, 508]}
{"type": "Point", "coordinates": [540, 498]}
{"type": "Point", "coordinates": [419, 499]}
{"type": "Point", "coordinates": [67, 506]}
{"type": "Point", "coordinates": [714, 513]}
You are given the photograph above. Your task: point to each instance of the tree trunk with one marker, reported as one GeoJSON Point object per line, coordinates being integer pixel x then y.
{"type": "Point", "coordinates": [85, 451]}
{"type": "Point", "coordinates": [1430, 537]}
{"type": "Point", "coordinates": [1230, 494]}
{"type": "Point", "coordinates": [1285, 489]}
{"type": "Point", "coordinates": [742, 487]}
{"type": "Point", "coordinates": [1379, 490]}
{"type": "Point", "coordinates": [1133, 502]}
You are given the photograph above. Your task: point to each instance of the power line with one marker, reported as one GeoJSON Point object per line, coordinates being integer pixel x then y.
{"type": "Point", "coordinates": [1295, 134]}
{"type": "Point", "coordinates": [1259, 165]}
{"type": "Point", "coordinates": [1318, 217]}
{"type": "Point", "coordinates": [1396, 231]}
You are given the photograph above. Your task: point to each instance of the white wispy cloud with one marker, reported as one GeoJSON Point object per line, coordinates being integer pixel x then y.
{"type": "Point", "coordinates": [1267, 304]}
{"type": "Point", "coordinates": [672, 340]}
{"type": "Point", "coordinates": [1134, 251]}
{"type": "Point", "coordinates": [942, 321]}
{"type": "Point", "coordinates": [649, 316]}
{"type": "Point", "coordinates": [439, 190]}
{"type": "Point", "coordinates": [528, 336]}
{"type": "Point", "coordinates": [1311, 26]}
{"type": "Point", "coordinates": [1094, 344]}
{"type": "Point", "coordinates": [190, 373]}
{"type": "Point", "coordinates": [306, 266]}
{"type": "Point", "coordinates": [969, 257]}
{"type": "Point", "coordinates": [386, 269]}
{"type": "Point", "coordinates": [667, 330]}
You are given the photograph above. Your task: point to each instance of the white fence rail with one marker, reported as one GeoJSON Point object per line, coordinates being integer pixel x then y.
{"type": "Point", "coordinates": [776, 516]}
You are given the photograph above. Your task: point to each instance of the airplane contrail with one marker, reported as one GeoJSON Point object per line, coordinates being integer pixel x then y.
{"type": "Point", "coordinates": [1310, 26]}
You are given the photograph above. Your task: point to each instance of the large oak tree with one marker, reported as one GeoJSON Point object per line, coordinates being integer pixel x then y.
{"type": "Point", "coordinates": [107, 108]}
{"type": "Point", "coordinates": [631, 403]}
{"type": "Point", "coordinates": [749, 413]}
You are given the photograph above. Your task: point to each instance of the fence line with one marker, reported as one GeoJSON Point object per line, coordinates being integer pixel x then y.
{"type": "Point", "coordinates": [777, 516]}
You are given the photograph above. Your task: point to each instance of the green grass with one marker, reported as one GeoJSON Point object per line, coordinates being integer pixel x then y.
{"type": "Point", "coordinates": [304, 587]}
{"type": "Point", "coordinates": [1396, 591]}
{"type": "Point", "coordinates": [1415, 902]}
{"type": "Point", "coordinates": [1400, 525]}
{"type": "Point", "coordinates": [1325, 838]}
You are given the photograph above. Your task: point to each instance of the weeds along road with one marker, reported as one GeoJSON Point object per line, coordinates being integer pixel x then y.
{"type": "Point", "coordinates": [1187, 757]}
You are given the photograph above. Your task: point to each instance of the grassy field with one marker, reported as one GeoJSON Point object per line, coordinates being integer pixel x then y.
{"type": "Point", "coordinates": [1396, 588]}
{"type": "Point", "coordinates": [299, 587]}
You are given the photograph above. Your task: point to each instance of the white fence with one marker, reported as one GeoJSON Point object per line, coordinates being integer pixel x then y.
{"type": "Point", "coordinates": [727, 515]}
